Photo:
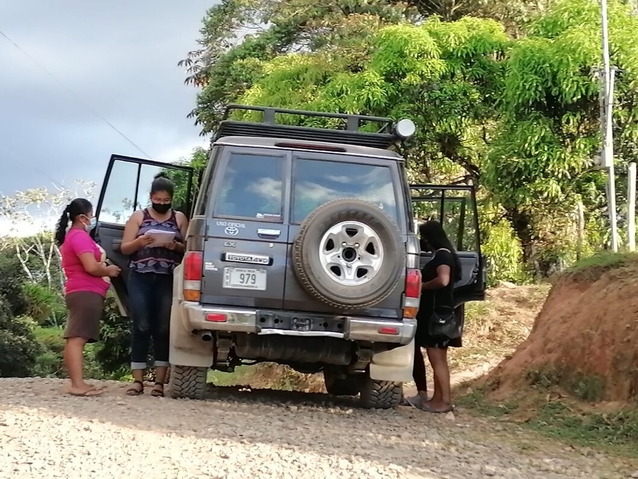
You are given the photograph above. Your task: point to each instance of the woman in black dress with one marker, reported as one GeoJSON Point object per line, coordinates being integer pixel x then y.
{"type": "Point", "coordinates": [438, 277]}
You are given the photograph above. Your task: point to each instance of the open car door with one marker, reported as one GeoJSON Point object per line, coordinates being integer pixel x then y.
{"type": "Point", "coordinates": [454, 206]}
{"type": "Point", "coordinates": [126, 188]}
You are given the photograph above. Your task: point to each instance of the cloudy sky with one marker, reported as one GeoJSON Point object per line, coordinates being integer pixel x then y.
{"type": "Point", "coordinates": [120, 58]}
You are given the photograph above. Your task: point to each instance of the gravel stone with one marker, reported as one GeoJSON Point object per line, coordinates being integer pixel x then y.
{"type": "Point", "coordinates": [260, 434]}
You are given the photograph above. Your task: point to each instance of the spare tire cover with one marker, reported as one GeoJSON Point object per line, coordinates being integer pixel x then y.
{"type": "Point", "coordinates": [349, 254]}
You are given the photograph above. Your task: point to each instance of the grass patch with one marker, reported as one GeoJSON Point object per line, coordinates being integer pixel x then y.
{"type": "Point", "coordinates": [617, 430]}
{"type": "Point", "coordinates": [592, 267]}
{"type": "Point", "coordinates": [590, 388]}
{"type": "Point", "coordinates": [568, 421]}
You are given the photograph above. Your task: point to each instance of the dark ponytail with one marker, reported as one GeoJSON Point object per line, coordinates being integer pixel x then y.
{"type": "Point", "coordinates": [162, 183]}
{"type": "Point", "coordinates": [77, 207]}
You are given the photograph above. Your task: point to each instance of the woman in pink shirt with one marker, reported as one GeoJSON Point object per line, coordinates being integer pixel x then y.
{"type": "Point", "coordinates": [87, 281]}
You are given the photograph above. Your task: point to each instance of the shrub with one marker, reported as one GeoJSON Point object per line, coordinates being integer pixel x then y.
{"type": "Point", "coordinates": [12, 280]}
{"type": "Point", "coordinates": [44, 305]}
{"type": "Point", "coordinates": [18, 345]}
{"type": "Point", "coordinates": [112, 352]}
{"type": "Point", "coordinates": [50, 361]}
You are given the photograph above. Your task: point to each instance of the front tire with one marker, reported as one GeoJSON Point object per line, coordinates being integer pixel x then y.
{"type": "Point", "coordinates": [381, 394]}
{"type": "Point", "coordinates": [188, 382]}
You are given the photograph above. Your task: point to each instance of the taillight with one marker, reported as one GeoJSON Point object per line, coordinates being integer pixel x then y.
{"type": "Point", "coordinates": [193, 261]}
{"type": "Point", "coordinates": [412, 293]}
{"type": "Point", "coordinates": [389, 330]}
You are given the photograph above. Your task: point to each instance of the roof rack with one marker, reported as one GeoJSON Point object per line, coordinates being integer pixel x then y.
{"type": "Point", "coordinates": [384, 138]}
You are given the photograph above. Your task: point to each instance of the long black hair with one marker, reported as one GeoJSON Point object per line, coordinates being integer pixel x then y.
{"type": "Point", "coordinates": [163, 183]}
{"type": "Point", "coordinates": [433, 234]}
{"type": "Point", "coordinates": [77, 207]}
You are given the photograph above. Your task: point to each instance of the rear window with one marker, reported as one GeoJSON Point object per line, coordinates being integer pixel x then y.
{"type": "Point", "coordinates": [318, 181]}
{"type": "Point", "coordinates": [252, 187]}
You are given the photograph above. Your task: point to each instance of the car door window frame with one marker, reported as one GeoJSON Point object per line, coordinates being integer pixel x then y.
{"type": "Point", "coordinates": [443, 188]}
{"type": "Point", "coordinates": [141, 162]}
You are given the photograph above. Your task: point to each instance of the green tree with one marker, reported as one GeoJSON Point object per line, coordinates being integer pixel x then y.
{"type": "Point", "coordinates": [18, 346]}
{"type": "Point", "coordinates": [541, 160]}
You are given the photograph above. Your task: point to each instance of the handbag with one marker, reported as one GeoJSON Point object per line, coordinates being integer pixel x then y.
{"type": "Point", "coordinates": [444, 324]}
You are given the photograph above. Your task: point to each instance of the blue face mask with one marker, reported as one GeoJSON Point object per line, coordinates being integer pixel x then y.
{"type": "Point", "coordinates": [91, 226]}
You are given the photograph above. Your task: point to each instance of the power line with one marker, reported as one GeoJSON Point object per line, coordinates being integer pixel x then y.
{"type": "Point", "coordinates": [78, 97]}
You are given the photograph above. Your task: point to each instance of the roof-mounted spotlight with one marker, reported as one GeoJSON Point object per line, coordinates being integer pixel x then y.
{"type": "Point", "coordinates": [405, 128]}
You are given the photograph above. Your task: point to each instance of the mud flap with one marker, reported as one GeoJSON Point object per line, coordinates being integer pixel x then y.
{"type": "Point", "coordinates": [185, 349]}
{"type": "Point", "coordinates": [395, 365]}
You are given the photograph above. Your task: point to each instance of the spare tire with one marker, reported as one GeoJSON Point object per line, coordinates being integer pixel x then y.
{"type": "Point", "coordinates": [349, 254]}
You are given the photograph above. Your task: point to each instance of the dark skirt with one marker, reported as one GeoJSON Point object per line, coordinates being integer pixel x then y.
{"type": "Point", "coordinates": [425, 340]}
{"type": "Point", "coordinates": [85, 311]}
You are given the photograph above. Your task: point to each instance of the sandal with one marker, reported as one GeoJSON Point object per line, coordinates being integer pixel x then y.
{"type": "Point", "coordinates": [427, 408]}
{"type": "Point", "coordinates": [158, 392]}
{"type": "Point", "coordinates": [134, 390]}
{"type": "Point", "coordinates": [92, 392]}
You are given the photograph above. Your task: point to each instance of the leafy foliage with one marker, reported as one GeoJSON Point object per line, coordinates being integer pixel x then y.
{"type": "Point", "coordinates": [506, 97]}
{"type": "Point", "coordinates": [11, 284]}
{"type": "Point", "coordinates": [112, 352]}
{"type": "Point", "coordinates": [18, 346]}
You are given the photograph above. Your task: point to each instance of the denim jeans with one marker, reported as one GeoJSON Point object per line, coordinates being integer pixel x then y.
{"type": "Point", "coordinates": [150, 297]}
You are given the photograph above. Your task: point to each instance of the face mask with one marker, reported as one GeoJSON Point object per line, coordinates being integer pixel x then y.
{"type": "Point", "coordinates": [91, 226]}
{"type": "Point", "coordinates": [161, 208]}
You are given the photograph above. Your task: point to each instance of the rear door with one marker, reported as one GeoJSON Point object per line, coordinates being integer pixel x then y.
{"type": "Point", "coordinates": [126, 188]}
{"type": "Point", "coordinates": [455, 208]}
{"type": "Point", "coordinates": [245, 249]}
{"type": "Point", "coordinates": [321, 177]}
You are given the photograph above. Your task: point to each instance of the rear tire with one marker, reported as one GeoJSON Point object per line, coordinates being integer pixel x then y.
{"type": "Point", "coordinates": [188, 382]}
{"type": "Point", "coordinates": [339, 384]}
{"type": "Point", "coordinates": [381, 394]}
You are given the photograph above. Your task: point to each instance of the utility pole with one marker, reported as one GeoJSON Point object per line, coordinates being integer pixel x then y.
{"type": "Point", "coordinates": [607, 113]}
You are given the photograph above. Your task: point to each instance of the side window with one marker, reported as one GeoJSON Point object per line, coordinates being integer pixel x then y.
{"type": "Point", "coordinates": [129, 185]}
{"type": "Point", "coordinates": [318, 181]}
{"type": "Point", "coordinates": [252, 187]}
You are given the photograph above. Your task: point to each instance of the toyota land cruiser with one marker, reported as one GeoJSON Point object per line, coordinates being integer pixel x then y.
{"type": "Point", "coordinates": [301, 250]}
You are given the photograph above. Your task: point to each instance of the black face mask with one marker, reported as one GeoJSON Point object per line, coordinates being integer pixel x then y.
{"type": "Point", "coordinates": [161, 208]}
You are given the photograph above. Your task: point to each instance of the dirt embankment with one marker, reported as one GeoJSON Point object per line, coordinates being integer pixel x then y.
{"type": "Point", "coordinates": [584, 342]}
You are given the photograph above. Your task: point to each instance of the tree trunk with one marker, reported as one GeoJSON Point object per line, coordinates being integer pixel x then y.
{"type": "Point", "coordinates": [521, 223]}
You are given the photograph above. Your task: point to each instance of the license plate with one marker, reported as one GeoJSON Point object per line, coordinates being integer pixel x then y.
{"type": "Point", "coordinates": [245, 278]}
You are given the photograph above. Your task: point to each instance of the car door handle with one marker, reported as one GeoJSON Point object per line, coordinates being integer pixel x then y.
{"type": "Point", "coordinates": [117, 245]}
{"type": "Point", "coordinates": [268, 233]}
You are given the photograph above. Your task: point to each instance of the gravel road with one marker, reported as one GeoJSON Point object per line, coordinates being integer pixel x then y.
{"type": "Point", "coordinates": [259, 434]}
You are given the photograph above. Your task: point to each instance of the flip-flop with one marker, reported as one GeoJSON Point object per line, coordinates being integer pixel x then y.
{"type": "Point", "coordinates": [88, 393]}
{"type": "Point", "coordinates": [418, 405]}
{"type": "Point", "coordinates": [427, 408]}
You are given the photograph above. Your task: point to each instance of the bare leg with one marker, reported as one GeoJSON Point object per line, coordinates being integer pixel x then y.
{"type": "Point", "coordinates": [74, 362]}
{"type": "Point", "coordinates": [442, 398]}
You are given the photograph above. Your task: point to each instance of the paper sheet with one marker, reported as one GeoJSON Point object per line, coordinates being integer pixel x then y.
{"type": "Point", "coordinates": [160, 238]}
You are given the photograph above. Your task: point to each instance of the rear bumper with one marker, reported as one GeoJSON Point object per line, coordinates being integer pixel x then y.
{"type": "Point", "coordinates": [245, 320]}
